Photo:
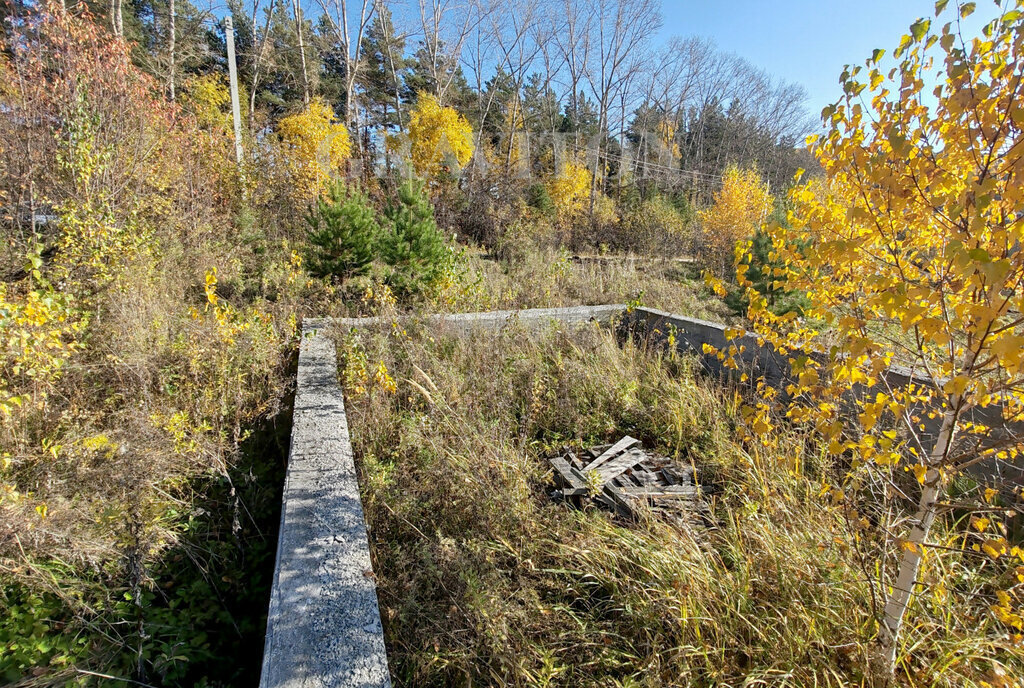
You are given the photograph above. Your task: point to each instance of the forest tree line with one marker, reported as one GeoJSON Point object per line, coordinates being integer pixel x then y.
{"type": "Point", "coordinates": [669, 113]}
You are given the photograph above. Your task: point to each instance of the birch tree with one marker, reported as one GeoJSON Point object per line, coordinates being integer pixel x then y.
{"type": "Point", "coordinates": [622, 27]}
{"type": "Point", "coordinates": [910, 252]}
{"type": "Point", "coordinates": [445, 26]}
{"type": "Point", "coordinates": [351, 42]}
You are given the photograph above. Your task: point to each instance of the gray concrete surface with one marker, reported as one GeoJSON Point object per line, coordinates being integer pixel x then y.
{"type": "Point", "coordinates": [762, 361]}
{"type": "Point", "coordinates": [498, 319]}
{"type": "Point", "coordinates": [323, 627]}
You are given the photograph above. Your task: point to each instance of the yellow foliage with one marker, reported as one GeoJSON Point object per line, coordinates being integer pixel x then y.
{"type": "Point", "coordinates": [94, 245]}
{"type": "Point", "coordinates": [909, 251]}
{"type": "Point", "coordinates": [741, 205]}
{"type": "Point", "coordinates": [38, 334]}
{"type": "Point", "coordinates": [439, 137]}
{"type": "Point", "coordinates": [231, 323]}
{"type": "Point", "coordinates": [570, 189]}
{"type": "Point", "coordinates": [209, 99]}
{"type": "Point", "coordinates": [315, 147]}
{"type": "Point", "coordinates": [666, 131]}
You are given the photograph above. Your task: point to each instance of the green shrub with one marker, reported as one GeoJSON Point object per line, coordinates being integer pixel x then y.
{"type": "Point", "coordinates": [537, 197]}
{"type": "Point", "coordinates": [342, 232]}
{"type": "Point", "coordinates": [412, 245]}
{"type": "Point", "coordinates": [655, 227]}
{"type": "Point", "coordinates": [780, 301]}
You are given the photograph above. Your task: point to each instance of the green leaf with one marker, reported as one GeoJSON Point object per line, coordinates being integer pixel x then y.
{"type": "Point", "coordinates": [919, 28]}
{"type": "Point", "coordinates": [967, 9]}
{"type": "Point", "coordinates": [877, 54]}
{"type": "Point", "coordinates": [940, 7]}
{"type": "Point", "coordinates": [979, 255]}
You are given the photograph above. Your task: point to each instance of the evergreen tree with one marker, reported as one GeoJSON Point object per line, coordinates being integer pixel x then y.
{"type": "Point", "coordinates": [342, 234]}
{"type": "Point", "coordinates": [500, 92]}
{"type": "Point", "coordinates": [581, 119]}
{"type": "Point", "coordinates": [540, 105]}
{"type": "Point", "coordinates": [333, 67]}
{"type": "Point", "coordinates": [412, 244]}
{"type": "Point", "coordinates": [281, 83]}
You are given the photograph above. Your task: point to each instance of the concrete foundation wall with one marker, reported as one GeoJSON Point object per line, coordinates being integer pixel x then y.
{"type": "Point", "coordinates": [323, 627]}
{"type": "Point", "coordinates": [757, 360]}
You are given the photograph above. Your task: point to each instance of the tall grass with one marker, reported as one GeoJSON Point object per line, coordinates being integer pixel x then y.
{"type": "Point", "coordinates": [484, 579]}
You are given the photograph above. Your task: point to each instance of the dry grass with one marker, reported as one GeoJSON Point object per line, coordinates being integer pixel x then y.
{"type": "Point", "coordinates": [539, 277]}
{"type": "Point", "coordinates": [484, 580]}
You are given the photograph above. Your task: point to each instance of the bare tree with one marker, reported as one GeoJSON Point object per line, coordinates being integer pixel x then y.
{"type": "Point", "coordinates": [446, 24]}
{"type": "Point", "coordinates": [299, 32]}
{"type": "Point", "coordinates": [573, 39]}
{"type": "Point", "coordinates": [116, 18]}
{"type": "Point", "coordinates": [171, 36]}
{"type": "Point", "coordinates": [622, 27]}
{"type": "Point", "coordinates": [514, 27]}
{"type": "Point", "coordinates": [260, 40]}
{"type": "Point", "coordinates": [336, 12]}
{"type": "Point", "coordinates": [392, 59]}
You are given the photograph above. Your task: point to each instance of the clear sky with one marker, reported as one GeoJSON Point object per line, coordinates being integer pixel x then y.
{"type": "Point", "coordinates": [806, 41]}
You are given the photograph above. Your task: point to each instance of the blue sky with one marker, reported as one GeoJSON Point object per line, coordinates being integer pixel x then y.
{"type": "Point", "coordinates": [806, 41]}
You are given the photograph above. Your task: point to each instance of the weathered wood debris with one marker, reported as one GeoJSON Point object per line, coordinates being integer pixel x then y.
{"type": "Point", "coordinates": [627, 479]}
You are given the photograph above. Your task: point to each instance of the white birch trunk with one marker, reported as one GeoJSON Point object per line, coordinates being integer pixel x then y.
{"type": "Point", "coordinates": [910, 559]}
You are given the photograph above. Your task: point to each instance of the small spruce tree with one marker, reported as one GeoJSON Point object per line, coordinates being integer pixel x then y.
{"type": "Point", "coordinates": [342, 233]}
{"type": "Point", "coordinates": [412, 244]}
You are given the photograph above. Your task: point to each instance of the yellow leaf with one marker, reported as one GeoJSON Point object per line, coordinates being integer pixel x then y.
{"type": "Point", "coordinates": [994, 548]}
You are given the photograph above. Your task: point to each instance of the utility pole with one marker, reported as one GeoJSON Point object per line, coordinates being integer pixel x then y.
{"type": "Point", "coordinates": [236, 116]}
{"type": "Point", "coordinates": [171, 40]}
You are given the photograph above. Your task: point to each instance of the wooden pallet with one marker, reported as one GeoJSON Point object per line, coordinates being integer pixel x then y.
{"type": "Point", "coordinates": [626, 479]}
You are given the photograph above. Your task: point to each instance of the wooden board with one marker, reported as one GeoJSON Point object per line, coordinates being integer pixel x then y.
{"type": "Point", "coordinates": [660, 491]}
{"type": "Point", "coordinates": [620, 464]}
{"type": "Point", "coordinates": [574, 460]}
{"type": "Point", "coordinates": [613, 497]}
{"type": "Point", "coordinates": [610, 453]}
{"type": "Point", "coordinates": [645, 477]}
{"type": "Point", "coordinates": [569, 475]}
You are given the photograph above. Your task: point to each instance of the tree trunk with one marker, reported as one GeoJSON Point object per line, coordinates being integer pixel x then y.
{"type": "Point", "coordinates": [257, 62]}
{"type": "Point", "coordinates": [910, 559]}
{"type": "Point", "coordinates": [302, 51]}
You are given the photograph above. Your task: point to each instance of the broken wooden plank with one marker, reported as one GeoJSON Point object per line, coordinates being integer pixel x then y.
{"type": "Point", "coordinates": [624, 480]}
{"type": "Point", "coordinates": [569, 475]}
{"type": "Point", "coordinates": [610, 453]}
{"type": "Point", "coordinates": [645, 477]}
{"type": "Point", "coordinates": [613, 498]}
{"type": "Point", "coordinates": [659, 491]}
{"type": "Point", "coordinates": [574, 460]}
{"type": "Point", "coordinates": [620, 464]}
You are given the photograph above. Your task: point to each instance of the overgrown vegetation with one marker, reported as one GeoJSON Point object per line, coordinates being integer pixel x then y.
{"type": "Point", "coordinates": [151, 285]}
{"type": "Point", "coordinates": [138, 353]}
{"type": "Point", "coordinates": [484, 579]}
